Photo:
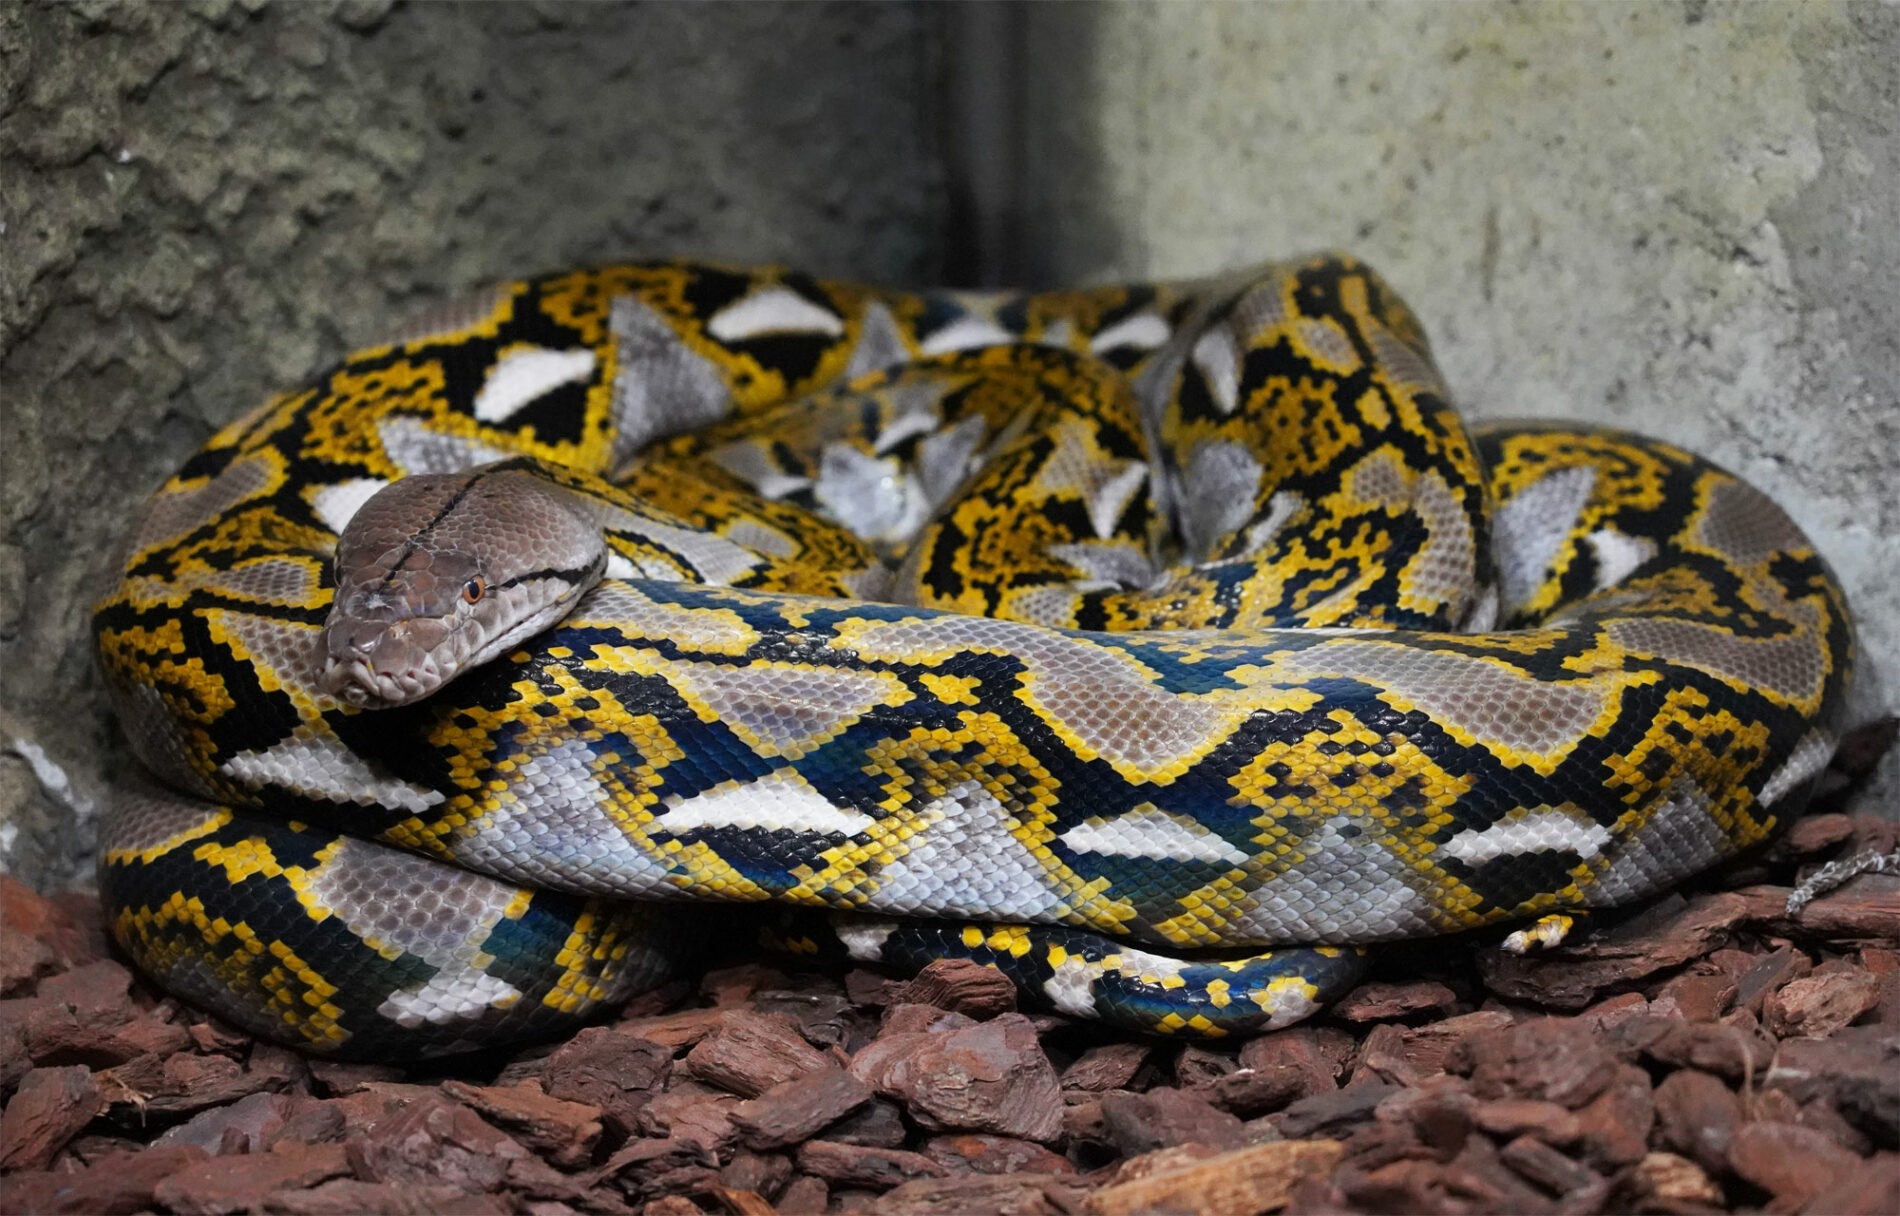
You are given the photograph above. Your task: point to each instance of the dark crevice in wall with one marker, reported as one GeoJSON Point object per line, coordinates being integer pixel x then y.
{"type": "Point", "coordinates": [982, 130]}
{"type": "Point", "coordinates": [1027, 189]}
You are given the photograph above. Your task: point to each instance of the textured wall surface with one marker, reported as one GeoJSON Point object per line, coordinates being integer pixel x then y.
{"type": "Point", "coordinates": [1681, 218]}
{"type": "Point", "coordinates": [203, 203]}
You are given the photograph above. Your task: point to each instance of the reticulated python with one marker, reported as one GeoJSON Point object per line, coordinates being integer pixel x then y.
{"type": "Point", "coordinates": [1107, 636]}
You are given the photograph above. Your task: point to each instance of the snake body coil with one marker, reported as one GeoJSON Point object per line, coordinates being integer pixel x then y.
{"type": "Point", "coordinates": [1115, 637]}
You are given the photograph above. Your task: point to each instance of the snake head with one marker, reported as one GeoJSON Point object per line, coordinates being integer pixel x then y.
{"type": "Point", "coordinates": [438, 573]}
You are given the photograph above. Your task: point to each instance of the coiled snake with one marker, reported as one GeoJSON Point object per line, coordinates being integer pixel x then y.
{"type": "Point", "coordinates": [1109, 636]}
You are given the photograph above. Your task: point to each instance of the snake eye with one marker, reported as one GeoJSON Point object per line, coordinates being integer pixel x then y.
{"type": "Point", "coordinates": [474, 589]}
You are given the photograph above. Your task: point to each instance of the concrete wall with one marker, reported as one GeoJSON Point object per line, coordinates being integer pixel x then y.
{"type": "Point", "coordinates": [1679, 218]}
{"type": "Point", "coordinates": [203, 203]}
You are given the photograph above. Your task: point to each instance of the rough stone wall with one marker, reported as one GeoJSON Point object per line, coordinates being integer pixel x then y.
{"type": "Point", "coordinates": [203, 203]}
{"type": "Point", "coordinates": [1679, 218]}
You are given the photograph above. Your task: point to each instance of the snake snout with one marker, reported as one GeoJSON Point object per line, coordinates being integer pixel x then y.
{"type": "Point", "coordinates": [383, 663]}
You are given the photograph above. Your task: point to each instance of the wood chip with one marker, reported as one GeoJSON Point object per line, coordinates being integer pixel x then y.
{"type": "Point", "coordinates": [50, 1108]}
{"type": "Point", "coordinates": [1238, 1183]}
{"type": "Point", "coordinates": [748, 1053]}
{"type": "Point", "coordinates": [794, 1110]}
{"type": "Point", "coordinates": [961, 986]}
{"type": "Point", "coordinates": [1722, 1054]}
{"type": "Point", "coordinates": [990, 1077]}
{"type": "Point", "coordinates": [1822, 1003]}
{"type": "Point", "coordinates": [856, 1165]}
{"type": "Point", "coordinates": [1790, 1162]}
{"type": "Point", "coordinates": [565, 1132]}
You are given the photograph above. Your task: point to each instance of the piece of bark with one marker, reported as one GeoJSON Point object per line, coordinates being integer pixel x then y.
{"type": "Point", "coordinates": [1439, 1112]}
{"type": "Point", "coordinates": [961, 986]}
{"type": "Point", "coordinates": [99, 992]}
{"type": "Point", "coordinates": [1319, 1053]}
{"type": "Point", "coordinates": [1699, 997]}
{"type": "Point", "coordinates": [225, 1185]}
{"type": "Point", "coordinates": [738, 1202]}
{"type": "Point", "coordinates": [749, 1053]}
{"type": "Point", "coordinates": [824, 1018]}
{"type": "Point", "coordinates": [101, 1045]}
{"type": "Point", "coordinates": [563, 1132]}
{"type": "Point", "coordinates": [23, 961]}
{"type": "Point", "coordinates": [1572, 976]}
{"type": "Point", "coordinates": [1551, 1059]}
{"type": "Point", "coordinates": [611, 1069]}
{"type": "Point", "coordinates": [677, 1030]}
{"type": "Point", "coordinates": [1697, 1115]}
{"type": "Point", "coordinates": [804, 1196]}
{"type": "Point", "coordinates": [1378, 1001]}
{"type": "Point", "coordinates": [1732, 1049]}
{"type": "Point", "coordinates": [1382, 1058]}
{"type": "Point", "coordinates": [349, 1197]}
{"type": "Point", "coordinates": [1767, 974]}
{"type": "Point", "coordinates": [795, 1110]}
{"type": "Point", "coordinates": [183, 1084]}
{"type": "Point", "coordinates": [1105, 1066]}
{"type": "Point", "coordinates": [856, 1165]}
{"type": "Point", "coordinates": [1871, 1189]}
{"type": "Point", "coordinates": [1331, 1114]}
{"type": "Point", "coordinates": [49, 1108]}
{"type": "Point", "coordinates": [910, 1017]}
{"type": "Point", "coordinates": [761, 1173]}
{"type": "Point", "coordinates": [117, 1184]}
{"type": "Point", "coordinates": [877, 1124]}
{"type": "Point", "coordinates": [214, 1038]}
{"type": "Point", "coordinates": [1508, 1118]}
{"type": "Point", "coordinates": [1410, 1184]}
{"type": "Point", "coordinates": [436, 1140]}
{"type": "Point", "coordinates": [1677, 1182]}
{"type": "Point", "coordinates": [1821, 1004]}
{"type": "Point", "coordinates": [1012, 1195]}
{"type": "Point", "coordinates": [995, 1155]}
{"type": "Point", "coordinates": [871, 988]}
{"type": "Point", "coordinates": [1851, 1071]}
{"type": "Point", "coordinates": [1196, 1066]}
{"type": "Point", "coordinates": [1259, 1178]}
{"type": "Point", "coordinates": [1550, 1169]}
{"type": "Point", "coordinates": [695, 1112]}
{"type": "Point", "coordinates": [1252, 1092]}
{"type": "Point", "coordinates": [1615, 1010]}
{"type": "Point", "coordinates": [254, 1121]}
{"type": "Point", "coordinates": [989, 1077]}
{"type": "Point", "coordinates": [1614, 1126]}
{"type": "Point", "coordinates": [1410, 1054]}
{"type": "Point", "coordinates": [648, 1169]}
{"type": "Point", "coordinates": [1163, 1118]}
{"type": "Point", "coordinates": [1790, 1162]}
{"type": "Point", "coordinates": [1862, 910]}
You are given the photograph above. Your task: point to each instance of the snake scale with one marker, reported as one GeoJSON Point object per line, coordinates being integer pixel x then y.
{"type": "Point", "coordinates": [1161, 645]}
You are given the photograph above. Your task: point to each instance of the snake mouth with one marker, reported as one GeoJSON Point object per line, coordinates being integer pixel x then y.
{"type": "Point", "coordinates": [380, 665]}
{"type": "Point", "coordinates": [358, 684]}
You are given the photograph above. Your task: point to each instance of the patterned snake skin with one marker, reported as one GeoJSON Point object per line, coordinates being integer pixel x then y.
{"type": "Point", "coordinates": [1111, 637]}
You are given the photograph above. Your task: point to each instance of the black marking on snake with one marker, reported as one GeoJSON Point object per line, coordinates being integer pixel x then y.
{"type": "Point", "coordinates": [571, 575]}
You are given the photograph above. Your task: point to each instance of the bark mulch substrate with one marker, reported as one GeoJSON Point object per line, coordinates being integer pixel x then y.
{"type": "Point", "coordinates": [1710, 1054]}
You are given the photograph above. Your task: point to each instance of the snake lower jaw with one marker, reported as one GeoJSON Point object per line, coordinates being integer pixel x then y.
{"type": "Point", "coordinates": [361, 686]}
